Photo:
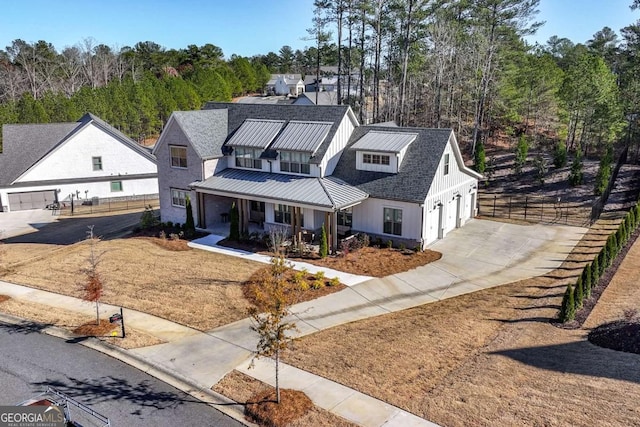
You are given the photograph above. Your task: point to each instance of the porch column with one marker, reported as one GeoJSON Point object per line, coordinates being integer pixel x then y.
{"type": "Point", "coordinates": [297, 226]}
{"type": "Point", "coordinates": [244, 222]}
{"type": "Point", "coordinates": [334, 230]}
{"type": "Point", "coordinates": [201, 216]}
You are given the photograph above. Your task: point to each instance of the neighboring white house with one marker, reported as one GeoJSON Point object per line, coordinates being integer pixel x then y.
{"type": "Point", "coordinates": [305, 166]}
{"type": "Point", "coordinates": [287, 84]}
{"type": "Point", "coordinates": [46, 163]}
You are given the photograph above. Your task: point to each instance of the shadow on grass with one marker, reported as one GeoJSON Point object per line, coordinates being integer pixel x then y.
{"type": "Point", "coordinates": [580, 357]}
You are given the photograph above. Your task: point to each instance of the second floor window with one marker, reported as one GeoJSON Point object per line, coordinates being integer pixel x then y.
{"type": "Point", "coordinates": [446, 164]}
{"type": "Point", "coordinates": [296, 162]}
{"type": "Point", "coordinates": [97, 163]}
{"type": "Point", "coordinates": [248, 158]}
{"type": "Point", "coordinates": [375, 159]}
{"type": "Point", "coordinates": [178, 157]}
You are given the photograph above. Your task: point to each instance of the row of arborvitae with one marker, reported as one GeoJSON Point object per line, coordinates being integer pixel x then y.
{"type": "Point", "coordinates": [576, 295]}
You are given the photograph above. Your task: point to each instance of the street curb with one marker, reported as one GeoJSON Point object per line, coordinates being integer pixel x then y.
{"type": "Point", "coordinates": [218, 401]}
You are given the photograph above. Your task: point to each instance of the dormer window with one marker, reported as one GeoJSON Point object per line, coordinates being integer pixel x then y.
{"type": "Point", "coordinates": [248, 158]}
{"type": "Point", "coordinates": [375, 159]}
{"type": "Point", "coordinates": [295, 162]}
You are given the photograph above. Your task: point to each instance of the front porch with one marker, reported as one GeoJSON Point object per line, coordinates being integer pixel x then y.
{"type": "Point", "coordinates": [267, 201]}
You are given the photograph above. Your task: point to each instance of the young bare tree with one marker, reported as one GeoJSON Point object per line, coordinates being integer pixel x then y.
{"type": "Point", "coordinates": [93, 285]}
{"type": "Point", "coordinates": [270, 316]}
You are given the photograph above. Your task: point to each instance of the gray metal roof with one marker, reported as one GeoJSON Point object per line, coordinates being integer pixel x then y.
{"type": "Point", "coordinates": [238, 113]}
{"type": "Point", "coordinates": [25, 144]}
{"type": "Point", "coordinates": [205, 129]}
{"type": "Point", "coordinates": [329, 193]}
{"type": "Point", "coordinates": [390, 142]}
{"type": "Point", "coordinates": [256, 133]}
{"type": "Point", "coordinates": [302, 136]}
{"type": "Point", "coordinates": [413, 180]}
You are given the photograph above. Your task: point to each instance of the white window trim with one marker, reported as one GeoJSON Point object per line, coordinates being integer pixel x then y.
{"type": "Point", "coordinates": [291, 162]}
{"type": "Point", "coordinates": [93, 163]}
{"type": "Point", "coordinates": [447, 162]}
{"type": "Point", "coordinates": [186, 194]}
{"type": "Point", "coordinates": [255, 156]}
{"type": "Point", "coordinates": [392, 220]}
{"type": "Point", "coordinates": [171, 157]}
{"type": "Point", "coordinates": [380, 157]}
{"type": "Point", "coordinates": [116, 191]}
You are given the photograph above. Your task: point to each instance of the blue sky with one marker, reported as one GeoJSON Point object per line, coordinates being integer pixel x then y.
{"type": "Point", "coordinates": [243, 27]}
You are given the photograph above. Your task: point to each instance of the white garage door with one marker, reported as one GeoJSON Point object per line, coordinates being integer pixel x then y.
{"type": "Point", "coordinates": [31, 200]}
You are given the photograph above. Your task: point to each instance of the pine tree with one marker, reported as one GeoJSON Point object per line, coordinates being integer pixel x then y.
{"type": "Point", "coordinates": [587, 275]}
{"type": "Point", "coordinates": [578, 296]}
{"type": "Point", "coordinates": [567, 311]}
{"type": "Point", "coordinates": [324, 247]}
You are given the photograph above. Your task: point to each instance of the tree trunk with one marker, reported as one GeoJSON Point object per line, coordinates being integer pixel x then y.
{"type": "Point", "coordinates": [277, 376]}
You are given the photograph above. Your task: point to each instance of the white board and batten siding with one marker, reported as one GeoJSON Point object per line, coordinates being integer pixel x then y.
{"type": "Point", "coordinates": [339, 142]}
{"type": "Point", "coordinates": [368, 217]}
{"type": "Point", "coordinates": [451, 199]}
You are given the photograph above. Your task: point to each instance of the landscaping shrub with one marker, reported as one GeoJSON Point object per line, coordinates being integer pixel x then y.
{"type": "Point", "coordinates": [479, 159]}
{"type": "Point", "coordinates": [578, 296]}
{"type": "Point", "coordinates": [541, 168]}
{"type": "Point", "coordinates": [334, 282]}
{"type": "Point", "coordinates": [560, 155]}
{"type": "Point", "coordinates": [604, 172]}
{"type": "Point", "coordinates": [148, 219]}
{"type": "Point", "coordinates": [522, 149]}
{"type": "Point", "coordinates": [567, 310]}
{"type": "Point", "coordinates": [575, 175]}
{"type": "Point", "coordinates": [189, 225]}
{"type": "Point", "coordinates": [603, 260]}
{"type": "Point", "coordinates": [595, 272]}
{"type": "Point", "coordinates": [587, 275]}
{"type": "Point", "coordinates": [234, 226]}
{"type": "Point", "coordinates": [324, 247]}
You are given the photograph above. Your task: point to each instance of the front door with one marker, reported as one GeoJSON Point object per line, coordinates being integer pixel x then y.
{"type": "Point", "coordinates": [256, 214]}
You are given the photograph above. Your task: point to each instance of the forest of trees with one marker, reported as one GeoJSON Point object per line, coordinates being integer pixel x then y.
{"type": "Point", "coordinates": [463, 64]}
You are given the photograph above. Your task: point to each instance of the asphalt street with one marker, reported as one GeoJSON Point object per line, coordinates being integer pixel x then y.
{"type": "Point", "coordinates": [30, 361]}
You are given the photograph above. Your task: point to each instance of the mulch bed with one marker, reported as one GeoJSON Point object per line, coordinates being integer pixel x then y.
{"type": "Point", "coordinates": [4, 298]}
{"type": "Point", "coordinates": [264, 410]}
{"type": "Point", "coordinates": [91, 329]}
{"type": "Point", "coordinates": [620, 335]}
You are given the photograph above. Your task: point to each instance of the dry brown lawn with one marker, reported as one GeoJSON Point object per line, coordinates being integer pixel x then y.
{"type": "Point", "coordinates": [196, 288]}
{"type": "Point", "coordinates": [72, 321]}
{"type": "Point", "coordinates": [243, 389]}
{"type": "Point", "coordinates": [492, 358]}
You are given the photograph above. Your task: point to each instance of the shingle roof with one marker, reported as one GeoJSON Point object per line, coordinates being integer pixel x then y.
{"type": "Point", "coordinates": [412, 182]}
{"type": "Point", "coordinates": [390, 142]}
{"type": "Point", "coordinates": [329, 192]}
{"type": "Point", "coordinates": [238, 113]}
{"type": "Point", "coordinates": [25, 144]}
{"type": "Point", "coordinates": [206, 129]}
{"type": "Point", "coordinates": [256, 133]}
{"type": "Point", "coordinates": [302, 136]}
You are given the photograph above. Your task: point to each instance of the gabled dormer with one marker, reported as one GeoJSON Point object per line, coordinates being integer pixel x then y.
{"type": "Point", "coordinates": [381, 151]}
{"type": "Point", "coordinates": [248, 144]}
{"type": "Point", "coordinates": [297, 145]}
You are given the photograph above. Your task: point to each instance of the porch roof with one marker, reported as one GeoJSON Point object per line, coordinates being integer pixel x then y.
{"type": "Point", "coordinates": [329, 192]}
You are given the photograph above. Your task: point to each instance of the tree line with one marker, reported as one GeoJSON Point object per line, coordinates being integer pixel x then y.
{"type": "Point", "coordinates": [463, 64]}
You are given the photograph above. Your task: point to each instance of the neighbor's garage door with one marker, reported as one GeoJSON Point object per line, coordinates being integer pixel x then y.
{"type": "Point", "coordinates": [31, 200]}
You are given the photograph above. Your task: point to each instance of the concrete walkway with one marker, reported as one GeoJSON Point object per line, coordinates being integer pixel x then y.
{"type": "Point", "coordinates": [481, 255]}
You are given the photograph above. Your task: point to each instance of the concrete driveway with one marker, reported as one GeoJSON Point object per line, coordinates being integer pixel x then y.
{"type": "Point", "coordinates": [40, 226]}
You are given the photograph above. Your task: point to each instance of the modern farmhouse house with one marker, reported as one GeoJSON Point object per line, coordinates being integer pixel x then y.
{"type": "Point", "coordinates": [305, 166]}
{"type": "Point", "coordinates": [45, 163]}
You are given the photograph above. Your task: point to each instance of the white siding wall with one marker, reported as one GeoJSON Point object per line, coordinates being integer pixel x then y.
{"type": "Point", "coordinates": [340, 139]}
{"type": "Point", "coordinates": [214, 166]}
{"type": "Point", "coordinates": [392, 167]}
{"type": "Point", "coordinates": [445, 191]}
{"type": "Point", "coordinates": [368, 217]}
{"type": "Point", "coordinates": [132, 187]}
{"type": "Point", "coordinates": [72, 159]}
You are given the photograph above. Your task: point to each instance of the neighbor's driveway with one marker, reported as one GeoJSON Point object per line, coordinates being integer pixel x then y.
{"type": "Point", "coordinates": [40, 226]}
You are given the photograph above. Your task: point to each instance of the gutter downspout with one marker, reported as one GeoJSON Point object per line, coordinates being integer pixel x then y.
{"type": "Point", "coordinates": [422, 207]}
